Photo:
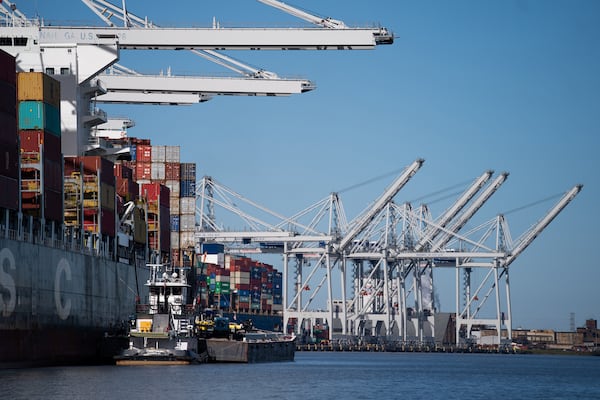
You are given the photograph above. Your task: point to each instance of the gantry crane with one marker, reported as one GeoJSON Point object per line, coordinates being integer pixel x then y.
{"type": "Point", "coordinates": [76, 55]}
{"type": "Point", "coordinates": [468, 314]}
{"type": "Point", "coordinates": [379, 303]}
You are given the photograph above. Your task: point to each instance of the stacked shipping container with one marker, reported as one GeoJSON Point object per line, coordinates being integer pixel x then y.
{"type": "Point", "coordinates": [158, 216]}
{"type": "Point", "coordinates": [165, 170]}
{"type": "Point", "coordinates": [9, 145]}
{"type": "Point", "coordinates": [187, 209]}
{"type": "Point", "coordinates": [38, 104]}
{"type": "Point", "coordinates": [153, 165]}
{"type": "Point", "coordinates": [90, 200]}
{"type": "Point", "coordinates": [239, 284]}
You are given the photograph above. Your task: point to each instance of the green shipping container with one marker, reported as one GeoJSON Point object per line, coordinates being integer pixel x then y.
{"type": "Point", "coordinates": [225, 288]}
{"type": "Point", "coordinates": [39, 115]}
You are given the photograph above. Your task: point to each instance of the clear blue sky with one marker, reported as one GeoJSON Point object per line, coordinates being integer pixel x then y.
{"type": "Point", "coordinates": [468, 85]}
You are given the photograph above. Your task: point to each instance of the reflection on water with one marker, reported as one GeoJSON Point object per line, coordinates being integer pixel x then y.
{"type": "Point", "coordinates": [317, 375]}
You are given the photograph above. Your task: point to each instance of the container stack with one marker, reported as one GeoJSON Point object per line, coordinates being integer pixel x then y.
{"type": "Point", "coordinates": [237, 284]}
{"type": "Point", "coordinates": [126, 187]}
{"type": "Point", "coordinates": [240, 280]}
{"type": "Point", "coordinates": [90, 200]}
{"type": "Point", "coordinates": [141, 160]}
{"type": "Point", "coordinates": [165, 169]}
{"type": "Point", "coordinates": [38, 104]}
{"type": "Point", "coordinates": [158, 216]}
{"type": "Point", "coordinates": [187, 212]}
{"type": "Point", "coordinates": [9, 156]}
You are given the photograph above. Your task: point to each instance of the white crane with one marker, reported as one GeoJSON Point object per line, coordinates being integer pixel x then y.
{"type": "Point", "coordinates": [77, 54]}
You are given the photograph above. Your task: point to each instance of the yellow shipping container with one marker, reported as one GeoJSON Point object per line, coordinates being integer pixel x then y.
{"type": "Point", "coordinates": [38, 86]}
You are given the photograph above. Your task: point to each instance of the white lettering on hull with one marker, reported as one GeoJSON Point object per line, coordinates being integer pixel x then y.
{"type": "Point", "coordinates": [62, 309]}
{"type": "Point", "coordinates": [7, 283]}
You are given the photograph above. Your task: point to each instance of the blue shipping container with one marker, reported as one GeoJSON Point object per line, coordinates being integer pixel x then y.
{"type": "Point", "coordinates": [187, 171]}
{"type": "Point", "coordinates": [40, 116]}
{"type": "Point", "coordinates": [175, 223]}
{"type": "Point", "coordinates": [213, 248]}
{"type": "Point", "coordinates": [133, 151]}
{"type": "Point", "coordinates": [187, 188]}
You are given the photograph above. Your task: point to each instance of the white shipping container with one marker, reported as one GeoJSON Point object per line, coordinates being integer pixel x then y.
{"type": "Point", "coordinates": [157, 170]}
{"type": "Point", "coordinates": [218, 259]}
{"type": "Point", "coordinates": [187, 222]}
{"type": "Point", "coordinates": [241, 281]}
{"type": "Point", "coordinates": [158, 154]}
{"type": "Point", "coordinates": [187, 205]}
{"type": "Point", "coordinates": [175, 240]}
{"type": "Point", "coordinates": [186, 240]}
{"type": "Point", "coordinates": [174, 203]}
{"type": "Point", "coordinates": [173, 185]}
{"type": "Point", "coordinates": [172, 154]}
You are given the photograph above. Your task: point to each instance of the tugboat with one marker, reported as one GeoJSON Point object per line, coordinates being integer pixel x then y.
{"type": "Point", "coordinates": [162, 331]}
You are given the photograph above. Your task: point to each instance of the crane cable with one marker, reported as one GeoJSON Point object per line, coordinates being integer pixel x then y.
{"type": "Point", "coordinates": [535, 203]}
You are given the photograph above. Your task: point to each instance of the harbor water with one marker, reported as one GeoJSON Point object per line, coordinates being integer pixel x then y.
{"type": "Point", "coordinates": [324, 375]}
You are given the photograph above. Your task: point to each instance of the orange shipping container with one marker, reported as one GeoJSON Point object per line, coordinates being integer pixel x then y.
{"type": "Point", "coordinates": [39, 87]}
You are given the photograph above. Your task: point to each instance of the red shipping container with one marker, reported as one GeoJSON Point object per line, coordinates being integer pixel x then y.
{"type": "Point", "coordinates": [8, 68]}
{"type": "Point", "coordinates": [8, 99]}
{"type": "Point", "coordinates": [122, 187]}
{"type": "Point", "coordinates": [153, 192]}
{"type": "Point", "coordinates": [137, 141]}
{"type": "Point", "coordinates": [107, 222]}
{"type": "Point", "coordinates": [53, 205]}
{"type": "Point", "coordinates": [172, 171]}
{"type": "Point", "coordinates": [93, 164]}
{"type": "Point", "coordinates": [123, 171]}
{"type": "Point", "coordinates": [52, 175]}
{"type": "Point", "coordinates": [9, 159]}
{"type": "Point", "coordinates": [143, 154]}
{"type": "Point", "coordinates": [143, 170]}
{"type": "Point", "coordinates": [71, 165]}
{"type": "Point", "coordinates": [9, 193]}
{"type": "Point", "coordinates": [34, 140]}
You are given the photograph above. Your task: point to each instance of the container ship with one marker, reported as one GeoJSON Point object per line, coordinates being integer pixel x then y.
{"type": "Point", "coordinates": [77, 233]}
{"type": "Point", "coordinates": [71, 258]}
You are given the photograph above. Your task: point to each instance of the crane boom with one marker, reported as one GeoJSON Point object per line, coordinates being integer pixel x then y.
{"type": "Point", "coordinates": [296, 12]}
{"type": "Point", "coordinates": [451, 212]}
{"type": "Point", "coordinates": [470, 211]}
{"type": "Point", "coordinates": [202, 84]}
{"type": "Point", "coordinates": [380, 203]}
{"type": "Point", "coordinates": [106, 11]}
{"type": "Point", "coordinates": [530, 235]}
{"type": "Point", "coordinates": [217, 39]}
{"type": "Point", "coordinates": [153, 98]}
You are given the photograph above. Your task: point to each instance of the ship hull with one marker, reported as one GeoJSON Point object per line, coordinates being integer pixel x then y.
{"type": "Point", "coordinates": [63, 307]}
